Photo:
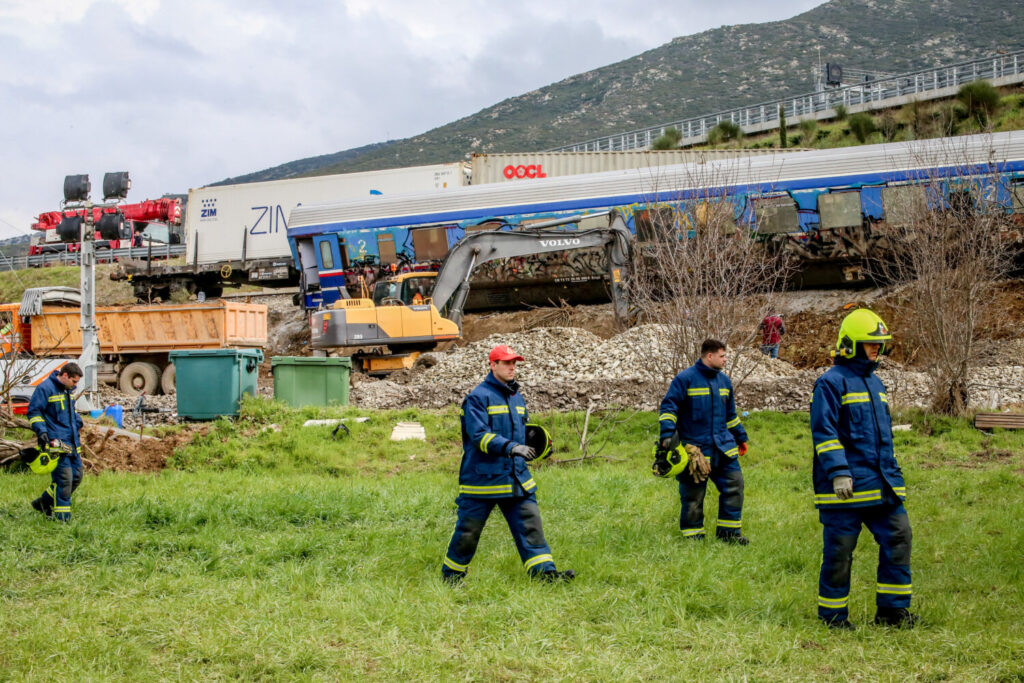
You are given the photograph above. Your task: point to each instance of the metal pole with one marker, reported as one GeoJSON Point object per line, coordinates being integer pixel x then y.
{"type": "Point", "coordinates": [90, 338]}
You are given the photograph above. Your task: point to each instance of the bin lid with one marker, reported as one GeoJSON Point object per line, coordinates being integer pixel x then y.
{"type": "Point", "coordinates": [309, 360]}
{"type": "Point", "coordinates": [203, 353]}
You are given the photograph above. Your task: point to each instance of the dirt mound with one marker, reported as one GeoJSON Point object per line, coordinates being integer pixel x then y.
{"type": "Point", "coordinates": [124, 454]}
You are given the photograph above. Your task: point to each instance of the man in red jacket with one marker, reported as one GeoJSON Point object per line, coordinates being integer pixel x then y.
{"type": "Point", "coordinates": [772, 329]}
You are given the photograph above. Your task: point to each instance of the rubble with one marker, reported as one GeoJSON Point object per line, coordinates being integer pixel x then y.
{"type": "Point", "coordinates": [571, 369]}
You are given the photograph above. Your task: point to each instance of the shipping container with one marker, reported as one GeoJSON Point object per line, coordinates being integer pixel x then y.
{"type": "Point", "coordinates": [249, 221]}
{"type": "Point", "coordinates": [499, 168]}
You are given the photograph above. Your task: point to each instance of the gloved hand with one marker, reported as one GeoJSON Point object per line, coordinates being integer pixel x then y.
{"type": "Point", "coordinates": [743, 448]}
{"type": "Point", "coordinates": [524, 451]}
{"type": "Point", "coordinates": [699, 468]}
{"type": "Point", "coordinates": [843, 486]}
{"type": "Point", "coordinates": [44, 441]}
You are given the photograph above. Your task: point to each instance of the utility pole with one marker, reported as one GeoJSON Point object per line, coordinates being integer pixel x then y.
{"type": "Point", "coordinates": [82, 226]}
{"type": "Point", "coordinates": [90, 336]}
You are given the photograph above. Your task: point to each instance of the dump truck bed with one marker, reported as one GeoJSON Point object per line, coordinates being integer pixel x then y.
{"type": "Point", "coordinates": [152, 328]}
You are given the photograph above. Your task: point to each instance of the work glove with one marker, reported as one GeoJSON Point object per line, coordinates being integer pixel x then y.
{"type": "Point", "coordinates": [44, 441]}
{"type": "Point", "coordinates": [843, 487]}
{"type": "Point", "coordinates": [699, 468]}
{"type": "Point", "coordinates": [743, 448]}
{"type": "Point", "coordinates": [524, 452]}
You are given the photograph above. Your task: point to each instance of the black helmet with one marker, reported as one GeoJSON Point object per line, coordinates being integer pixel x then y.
{"type": "Point", "coordinates": [539, 440]}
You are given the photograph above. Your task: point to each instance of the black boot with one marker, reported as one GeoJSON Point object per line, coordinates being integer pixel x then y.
{"type": "Point", "coordinates": [839, 624]}
{"type": "Point", "coordinates": [734, 539]}
{"type": "Point", "coordinates": [453, 579]}
{"type": "Point", "coordinates": [39, 505]}
{"type": "Point", "coordinates": [900, 617]}
{"type": "Point", "coordinates": [553, 575]}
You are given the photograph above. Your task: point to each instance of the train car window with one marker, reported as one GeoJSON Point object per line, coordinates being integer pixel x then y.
{"type": "Point", "coordinates": [430, 243]}
{"type": "Point", "coordinates": [651, 224]}
{"type": "Point", "coordinates": [713, 215]}
{"type": "Point", "coordinates": [326, 257]}
{"type": "Point", "coordinates": [961, 202]}
{"type": "Point", "coordinates": [903, 204]}
{"type": "Point", "coordinates": [776, 214]}
{"type": "Point", "coordinates": [386, 248]}
{"type": "Point", "coordinates": [839, 210]}
{"type": "Point", "coordinates": [1017, 193]}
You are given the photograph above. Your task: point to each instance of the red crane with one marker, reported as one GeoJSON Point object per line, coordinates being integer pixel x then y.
{"type": "Point", "coordinates": [136, 216]}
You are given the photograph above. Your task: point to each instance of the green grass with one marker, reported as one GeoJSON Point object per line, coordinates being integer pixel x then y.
{"type": "Point", "coordinates": [280, 554]}
{"type": "Point", "coordinates": [13, 283]}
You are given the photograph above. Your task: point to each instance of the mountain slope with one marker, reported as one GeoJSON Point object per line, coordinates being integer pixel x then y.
{"type": "Point", "coordinates": [692, 75]}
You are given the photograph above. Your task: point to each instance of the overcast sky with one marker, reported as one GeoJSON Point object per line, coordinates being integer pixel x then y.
{"type": "Point", "coordinates": [182, 93]}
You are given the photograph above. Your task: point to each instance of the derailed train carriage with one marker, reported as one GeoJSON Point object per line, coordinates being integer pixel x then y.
{"type": "Point", "coordinates": [829, 207]}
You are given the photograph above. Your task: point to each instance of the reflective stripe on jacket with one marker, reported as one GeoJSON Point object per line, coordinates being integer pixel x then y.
{"type": "Point", "coordinates": [493, 418]}
{"type": "Point", "coordinates": [700, 405]}
{"type": "Point", "coordinates": [52, 410]}
{"type": "Point", "coordinates": [852, 433]}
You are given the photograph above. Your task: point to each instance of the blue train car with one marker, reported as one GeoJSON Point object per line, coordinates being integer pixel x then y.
{"type": "Point", "coordinates": [827, 206]}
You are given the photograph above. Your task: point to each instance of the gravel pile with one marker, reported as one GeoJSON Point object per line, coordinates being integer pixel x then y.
{"type": "Point", "coordinates": [571, 369]}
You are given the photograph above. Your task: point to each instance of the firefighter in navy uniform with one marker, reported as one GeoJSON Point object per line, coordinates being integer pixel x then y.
{"type": "Point", "coordinates": [494, 471]}
{"type": "Point", "coordinates": [857, 480]}
{"type": "Point", "coordinates": [700, 407]}
{"type": "Point", "coordinates": [51, 414]}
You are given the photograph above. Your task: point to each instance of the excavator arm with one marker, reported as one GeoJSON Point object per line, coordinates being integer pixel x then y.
{"type": "Point", "coordinates": [452, 285]}
{"type": "Point", "coordinates": [360, 322]}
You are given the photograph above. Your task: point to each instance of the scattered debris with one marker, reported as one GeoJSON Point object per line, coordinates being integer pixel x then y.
{"type": "Point", "coordinates": [408, 430]}
{"type": "Point", "coordinates": [333, 421]}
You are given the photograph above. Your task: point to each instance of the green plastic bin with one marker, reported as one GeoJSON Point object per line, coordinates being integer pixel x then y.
{"type": "Point", "coordinates": [302, 381]}
{"type": "Point", "coordinates": [211, 382]}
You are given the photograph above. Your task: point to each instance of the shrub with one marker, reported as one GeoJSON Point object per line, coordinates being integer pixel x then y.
{"type": "Point", "coordinates": [862, 125]}
{"type": "Point", "coordinates": [841, 112]}
{"type": "Point", "coordinates": [725, 131]}
{"type": "Point", "coordinates": [670, 139]}
{"type": "Point", "coordinates": [981, 100]}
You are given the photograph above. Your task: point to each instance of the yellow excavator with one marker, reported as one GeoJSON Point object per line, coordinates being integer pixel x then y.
{"type": "Point", "coordinates": [411, 313]}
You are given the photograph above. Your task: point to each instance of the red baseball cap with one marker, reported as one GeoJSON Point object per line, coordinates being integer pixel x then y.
{"type": "Point", "coordinates": [502, 352]}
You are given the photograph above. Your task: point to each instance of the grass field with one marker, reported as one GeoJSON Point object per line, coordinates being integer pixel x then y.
{"type": "Point", "coordinates": [274, 553]}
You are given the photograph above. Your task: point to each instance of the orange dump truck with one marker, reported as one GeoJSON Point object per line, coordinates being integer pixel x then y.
{"type": "Point", "coordinates": [134, 340]}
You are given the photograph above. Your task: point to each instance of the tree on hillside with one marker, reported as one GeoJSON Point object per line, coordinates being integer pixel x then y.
{"type": "Point", "coordinates": [862, 125]}
{"type": "Point", "coordinates": [670, 139]}
{"type": "Point", "coordinates": [947, 261]}
{"type": "Point", "coordinates": [981, 100]}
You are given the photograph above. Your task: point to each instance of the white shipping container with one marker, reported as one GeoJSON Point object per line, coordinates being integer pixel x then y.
{"type": "Point", "coordinates": [500, 168]}
{"type": "Point", "coordinates": [219, 220]}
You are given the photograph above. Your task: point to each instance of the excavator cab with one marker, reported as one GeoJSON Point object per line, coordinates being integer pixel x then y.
{"type": "Point", "coordinates": [398, 315]}
{"type": "Point", "coordinates": [409, 289]}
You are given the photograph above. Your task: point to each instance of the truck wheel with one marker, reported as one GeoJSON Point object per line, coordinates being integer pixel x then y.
{"type": "Point", "coordinates": [139, 377]}
{"type": "Point", "coordinates": [167, 379]}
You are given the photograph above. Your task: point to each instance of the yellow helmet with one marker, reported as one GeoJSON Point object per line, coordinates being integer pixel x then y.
{"type": "Point", "coordinates": [670, 461]}
{"type": "Point", "coordinates": [41, 461]}
{"type": "Point", "coordinates": [860, 326]}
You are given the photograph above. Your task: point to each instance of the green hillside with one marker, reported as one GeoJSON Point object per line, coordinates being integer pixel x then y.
{"type": "Point", "coordinates": [693, 75]}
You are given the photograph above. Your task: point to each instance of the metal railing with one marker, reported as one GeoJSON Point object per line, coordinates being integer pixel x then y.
{"type": "Point", "coordinates": [71, 258]}
{"type": "Point", "coordinates": [885, 92]}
